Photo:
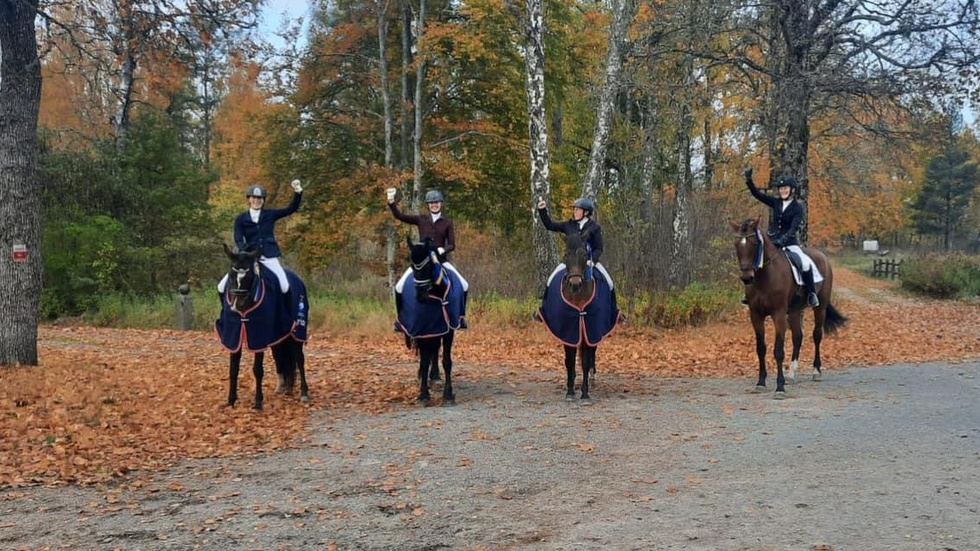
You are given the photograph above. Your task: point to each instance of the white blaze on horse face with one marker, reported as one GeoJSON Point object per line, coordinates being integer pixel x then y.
{"type": "Point", "coordinates": [743, 242]}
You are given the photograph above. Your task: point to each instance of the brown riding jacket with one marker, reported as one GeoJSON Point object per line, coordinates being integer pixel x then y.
{"type": "Point", "coordinates": [442, 233]}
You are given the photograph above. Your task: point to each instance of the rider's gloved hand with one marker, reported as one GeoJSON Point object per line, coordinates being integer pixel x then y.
{"type": "Point", "coordinates": [297, 186]}
{"type": "Point", "coordinates": [441, 251]}
{"type": "Point", "coordinates": [748, 175]}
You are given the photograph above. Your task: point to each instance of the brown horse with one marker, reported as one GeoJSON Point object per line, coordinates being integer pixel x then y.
{"type": "Point", "coordinates": [772, 291]}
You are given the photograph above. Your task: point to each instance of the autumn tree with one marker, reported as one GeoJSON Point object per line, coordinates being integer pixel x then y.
{"type": "Point", "coordinates": [854, 56]}
{"type": "Point", "coordinates": [20, 216]}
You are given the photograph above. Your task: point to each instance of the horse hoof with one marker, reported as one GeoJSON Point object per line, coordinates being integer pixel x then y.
{"type": "Point", "coordinates": [758, 389]}
{"type": "Point", "coordinates": [257, 407]}
{"type": "Point", "coordinates": [818, 376]}
{"type": "Point", "coordinates": [586, 402]}
{"type": "Point", "coordinates": [449, 402]}
{"type": "Point", "coordinates": [305, 399]}
{"type": "Point", "coordinates": [569, 397]}
{"type": "Point", "coordinates": [780, 395]}
{"type": "Point", "coordinates": [424, 402]}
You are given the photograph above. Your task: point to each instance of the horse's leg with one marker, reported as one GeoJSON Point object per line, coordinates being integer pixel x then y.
{"type": "Point", "coordinates": [448, 398]}
{"type": "Point", "coordinates": [300, 357]}
{"type": "Point", "coordinates": [759, 326]}
{"type": "Point", "coordinates": [588, 364]}
{"type": "Point", "coordinates": [235, 362]}
{"type": "Point", "coordinates": [796, 328]}
{"type": "Point", "coordinates": [279, 357]}
{"type": "Point", "coordinates": [819, 316]}
{"type": "Point", "coordinates": [425, 359]}
{"type": "Point", "coordinates": [779, 352]}
{"type": "Point", "coordinates": [570, 373]}
{"type": "Point", "coordinates": [257, 371]}
{"type": "Point", "coordinates": [434, 366]}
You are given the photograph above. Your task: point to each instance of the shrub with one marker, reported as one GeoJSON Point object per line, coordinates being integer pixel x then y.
{"type": "Point", "coordinates": [942, 275]}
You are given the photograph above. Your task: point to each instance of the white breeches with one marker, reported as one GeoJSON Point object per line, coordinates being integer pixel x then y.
{"type": "Point", "coordinates": [273, 265]}
{"type": "Point", "coordinates": [408, 273]}
{"type": "Point", "coordinates": [598, 266]}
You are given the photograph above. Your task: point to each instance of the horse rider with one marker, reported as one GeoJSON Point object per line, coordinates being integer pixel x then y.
{"type": "Point", "coordinates": [255, 230]}
{"type": "Point", "coordinates": [582, 223]}
{"type": "Point", "coordinates": [437, 227]}
{"type": "Point", "coordinates": [784, 224]}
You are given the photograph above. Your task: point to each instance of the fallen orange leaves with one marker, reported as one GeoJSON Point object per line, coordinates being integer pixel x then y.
{"type": "Point", "coordinates": [106, 402]}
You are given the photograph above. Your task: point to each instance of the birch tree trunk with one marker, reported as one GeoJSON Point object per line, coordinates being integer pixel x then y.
{"type": "Point", "coordinates": [545, 251]}
{"type": "Point", "coordinates": [624, 11]}
{"type": "Point", "coordinates": [391, 244]}
{"type": "Point", "coordinates": [20, 209]}
{"type": "Point", "coordinates": [418, 169]}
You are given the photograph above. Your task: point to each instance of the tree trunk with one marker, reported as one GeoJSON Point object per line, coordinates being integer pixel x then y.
{"type": "Point", "coordinates": [623, 13]}
{"type": "Point", "coordinates": [418, 168]}
{"type": "Point", "coordinates": [545, 251]}
{"type": "Point", "coordinates": [391, 243]}
{"type": "Point", "coordinates": [681, 250]}
{"type": "Point", "coordinates": [127, 76]}
{"type": "Point", "coordinates": [651, 153]}
{"type": "Point", "coordinates": [20, 208]}
{"type": "Point", "coordinates": [406, 85]}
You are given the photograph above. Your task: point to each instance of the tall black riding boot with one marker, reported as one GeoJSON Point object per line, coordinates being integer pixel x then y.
{"type": "Point", "coordinates": [811, 298]}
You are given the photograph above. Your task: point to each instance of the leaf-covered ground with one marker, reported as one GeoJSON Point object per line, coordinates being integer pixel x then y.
{"type": "Point", "coordinates": [107, 402]}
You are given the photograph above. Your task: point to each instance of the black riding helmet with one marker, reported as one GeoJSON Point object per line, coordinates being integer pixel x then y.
{"type": "Point", "coordinates": [787, 181]}
{"type": "Point", "coordinates": [586, 204]}
{"type": "Point", "coordinates": [256, 191]}
{"type": "Point", "coordinates": [434, 196]}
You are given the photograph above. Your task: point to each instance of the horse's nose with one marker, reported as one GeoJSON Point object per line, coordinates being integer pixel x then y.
{"type": "Point", "coordinates": [747, 279]}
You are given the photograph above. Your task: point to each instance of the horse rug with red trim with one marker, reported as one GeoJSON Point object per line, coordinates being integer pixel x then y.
{"type": "Point", "coordinates": [270, 320]}
{"type": "Point", "coordinates": [569, 324]}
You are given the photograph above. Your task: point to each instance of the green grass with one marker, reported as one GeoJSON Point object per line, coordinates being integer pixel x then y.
{"type": "Point", "coordinates": [355, 313]}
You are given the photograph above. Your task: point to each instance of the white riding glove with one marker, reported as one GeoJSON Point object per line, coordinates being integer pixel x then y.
{"type": "Point", "coordinates": [297, 187]}
{"type": "Point", "coordinates": [391, 194]}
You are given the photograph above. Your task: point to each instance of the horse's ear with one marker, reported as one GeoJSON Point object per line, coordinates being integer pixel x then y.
{"type": "Point", "coordinates": [254, 254]}
{"type": "Point", "coordinates": [231, 254]}
{"type": "Point", "coordinates": [735, 226]}
{"type": "Point", "coordinates": [755, 223]}
{"type": "Point", "coordinates": [428, 243]}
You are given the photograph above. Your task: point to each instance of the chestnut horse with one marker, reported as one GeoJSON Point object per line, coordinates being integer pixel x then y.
{"type": "Point", "coordinates": [771, 291]}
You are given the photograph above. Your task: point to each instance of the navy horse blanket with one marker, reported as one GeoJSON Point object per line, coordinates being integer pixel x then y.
{"type": "Point", "coordinates": [570, 325]}
{"type": "Point", "coordinates": [269, 321]}
{"type": "Point", "coordinates": [434, 316]}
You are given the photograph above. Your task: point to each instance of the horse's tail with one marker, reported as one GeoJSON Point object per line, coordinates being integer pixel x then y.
{"type": "Point", "coordinates": [834, 320]}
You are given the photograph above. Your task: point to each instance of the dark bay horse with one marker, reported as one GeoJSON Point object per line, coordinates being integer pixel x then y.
{"type": "Point", "coordinates": [772, 292]}
{"type": "Point", "coordinates": [254, 317]}
{"type": "Point", "coordinates": [428, 315]}
{"type": "Point", "coordinates": [579, 311]}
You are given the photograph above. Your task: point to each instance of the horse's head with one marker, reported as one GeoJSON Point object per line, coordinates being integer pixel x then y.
{"type": "Point", "coordinates": [576, 261]}
{"type": "Point", "coordinates": [242, 277]}
{"type": "Point", "coordinates": [425, 266]}
{"type": "Point", "coordinates": [749, 245]}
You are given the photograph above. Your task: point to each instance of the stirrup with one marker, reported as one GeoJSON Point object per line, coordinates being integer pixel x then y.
{"type": "Point", "coordinates": [813, 300]}
{"type": "Point", "coordinates": [745, 301]}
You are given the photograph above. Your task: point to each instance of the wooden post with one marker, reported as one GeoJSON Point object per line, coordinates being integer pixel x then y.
{"type": "Point", "coordinates": [185, 308]}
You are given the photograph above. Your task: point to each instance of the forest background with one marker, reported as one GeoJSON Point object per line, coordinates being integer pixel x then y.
{"type": "Point", "coordinates": [156, 116]}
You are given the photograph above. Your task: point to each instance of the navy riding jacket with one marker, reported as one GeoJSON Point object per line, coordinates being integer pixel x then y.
{"type": "Point", "coordinates": [570, 227]}
{"type": "Point", "coordinates": [261, 235]}
{"type": "Point", "coordinates": [784, 224]}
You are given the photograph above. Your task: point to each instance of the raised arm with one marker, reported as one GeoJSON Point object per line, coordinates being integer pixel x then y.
{"type": "Point", "coordinates": [407, 218]}
{"type": "Point", "coordinates": [762, 197]}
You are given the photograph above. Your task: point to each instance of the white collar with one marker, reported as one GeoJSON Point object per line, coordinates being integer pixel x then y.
{"type": "Point", "coordinates": [583, 222]}
{"type": "Point", "coordinates": [436, 216]}
{"type": "Point", "coordinates": [786, 203]}
{"type": "Point", "coordinates": [254, 214]}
